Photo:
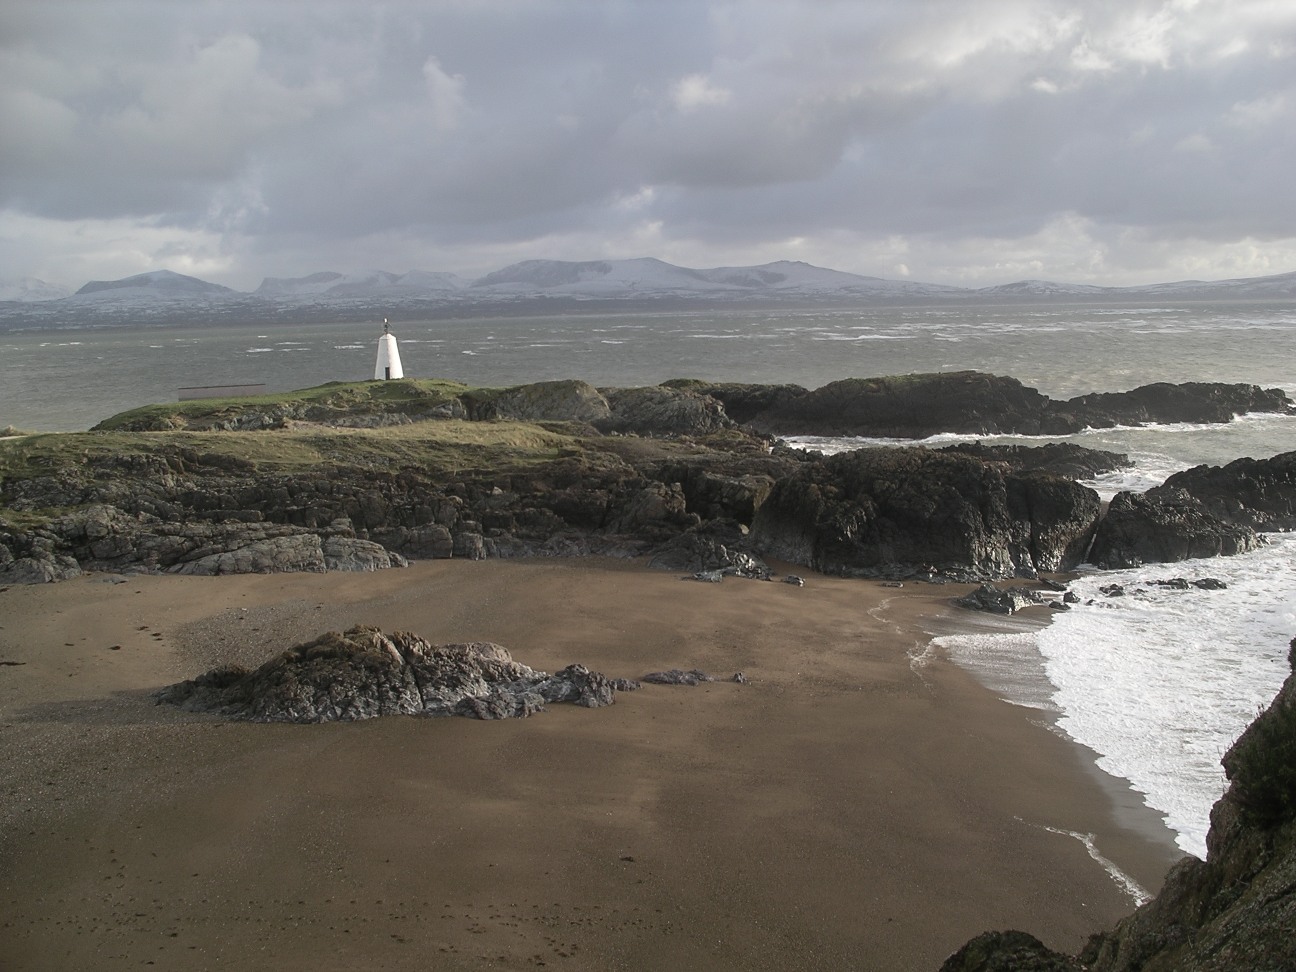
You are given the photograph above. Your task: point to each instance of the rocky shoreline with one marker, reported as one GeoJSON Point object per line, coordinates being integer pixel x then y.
{"type": "Point", "coordinates": [563, 468]}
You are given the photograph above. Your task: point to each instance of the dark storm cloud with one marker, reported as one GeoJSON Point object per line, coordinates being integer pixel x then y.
{"type": "Point", "coordinates": [990, 135]}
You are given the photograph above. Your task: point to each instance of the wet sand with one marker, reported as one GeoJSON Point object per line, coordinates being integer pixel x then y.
{"type": "Point", "coordinates": [850, 807]}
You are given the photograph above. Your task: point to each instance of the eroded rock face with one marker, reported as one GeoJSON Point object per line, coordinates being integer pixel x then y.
{"type": "Point", "coordinates": [364, 673]}
{"type": "Point", "coordinates": [1162, 527]}
{"type": "Point", "coordinates": [662, 411]}
{"type": "Point", "coordinates": [863, 513]}
{"type": "Point", "coordinates": [1257, 493]}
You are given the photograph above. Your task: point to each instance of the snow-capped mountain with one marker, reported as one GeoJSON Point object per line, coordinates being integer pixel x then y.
{"type": "Point", "coordinates": [365, 283]}
{"type": "Point", "coordinates": [155, 283]}
{"type": "Point", "coordinates": [647, 277]}
{"type": "Point", "coordinates": [162, 296]}
{"type": "Point", "coordinates": [316, 283]}
{"type": "Point", "coordinates": [28, 289]}
{"type": "Point", "coordinates": [1043, 288]}
{"type": "Point", "coordinates": [1239, 288]}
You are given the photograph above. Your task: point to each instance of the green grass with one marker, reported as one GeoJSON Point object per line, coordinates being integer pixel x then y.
{"type": "Point", "coordinates": [353, 397]}
{"type": "Point", "coordinates": [436, 447]}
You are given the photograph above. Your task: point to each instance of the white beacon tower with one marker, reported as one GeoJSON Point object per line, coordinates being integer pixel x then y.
{"type": "Point", "coordinates": [389, 363]}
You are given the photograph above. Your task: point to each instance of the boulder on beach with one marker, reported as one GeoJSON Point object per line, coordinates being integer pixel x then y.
{"type": "Point", "coordinates": [364, 673]}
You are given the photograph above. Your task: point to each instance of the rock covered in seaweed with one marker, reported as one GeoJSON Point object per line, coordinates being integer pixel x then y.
{"type": "Point", "coordinates": [364, 673]}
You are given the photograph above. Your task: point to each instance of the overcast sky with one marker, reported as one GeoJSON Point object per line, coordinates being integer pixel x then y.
{"type": "Point", "coordinates": [968, 142]}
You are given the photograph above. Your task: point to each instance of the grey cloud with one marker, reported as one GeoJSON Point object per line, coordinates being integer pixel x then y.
{"type": "Point", "coordinates": [732, 125]}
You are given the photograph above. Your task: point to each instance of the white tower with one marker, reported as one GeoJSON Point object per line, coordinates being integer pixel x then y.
{"type": "Point", "coordinates": [389, 363]}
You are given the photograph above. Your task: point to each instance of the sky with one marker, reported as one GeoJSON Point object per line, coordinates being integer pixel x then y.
{"type": "Point", "coordinates": [965, 142]}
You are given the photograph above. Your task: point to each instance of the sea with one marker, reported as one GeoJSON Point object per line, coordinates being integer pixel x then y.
{"type": "Point", "coordinates": [1158, 682]}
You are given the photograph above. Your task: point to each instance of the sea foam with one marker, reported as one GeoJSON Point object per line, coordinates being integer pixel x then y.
{"type": "Point", "coordinates": [1157, 681]}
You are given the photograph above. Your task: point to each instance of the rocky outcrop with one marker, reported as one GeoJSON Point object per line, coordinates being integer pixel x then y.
{"type": "Point", "coordinates": [107, 538]}
{"type": "Point", "coordinates": [1005, 600]}
{"type": "Point", "coordinates": [364, 673]}
{"type": "Point", "coordinates": [1008, 951]}
{"type": "Point", "coordinates": [1235, 910]}
{"type": "Point", "coordinates": [888, 512]}
{"type": "Point", "coordinates": [554, 401]}
{"type": "Point", "coordinates": [909, 406]}
{"type": "Point", "coordinates": [920, 405]}
{"type": "Point", "coordinates": [1162, 527]}
{"type": "Point", "coordinates": [742, 402]}
{"type": "Point", "coordinates": [661, 411]}
{"type": "Point", "coordinates": [1161, 403]}
{"type": "Point", "coordinates": [1054, 458]}
{"type": "Point", "coordinates": [667, 461]}
{"type": "Point", "coordinates": [1257, 493]}
{"type": "Point", "coordinates": [698, 553]}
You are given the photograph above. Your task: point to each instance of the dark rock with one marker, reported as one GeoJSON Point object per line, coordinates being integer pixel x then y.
{"type": "Point", "coordinates": [1257, 493]}
{"type": "Point", "coordinates": [916, 406]}
{"type": "Point", "coordinates": [1002, 600]}
{"type": "Point", "coordinates": [1210, 584]}
{"type": "Point", "coordinates": [560, 401]}
{"type": "Point", "coordinates": [1162, 402]}
{"type": "Point", "coordinates": [794, 580]}
{"type": "Point", "coordinates": [676, 676]}
{"type": "Point", "coordinates": [1055, 458]}
{"type": "Point", "coordinates": [1168, 526]}
{"type": "Point", "coordinates": [863, 513]}
{"type": "Point", "coordinates": [740, 678]}
{"type": "Point", "coordinates": [908, 406]}
{"type": "Point", "coordinates": [741, 402]}
{"type": "Point", "coordinates": [365, 673]}
{"type": "Point", "coordinates": [1112, 590]}
{"type": "Point", "coordinates": [1070, 597]}
{"type": "Point", "coordinates": [700, 553]}
{"type": "Point", "coordinates": [661, 411]}
{"type": "Point", "coordinates": [1010, 951]}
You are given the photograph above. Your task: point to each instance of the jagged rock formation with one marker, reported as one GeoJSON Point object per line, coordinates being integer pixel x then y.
{"type": "Point", "coordinates": [1257, 493]}
{"type": "Point", "coordinates": [916, 406]}
{"type": "Point", "coordinates": [1164, 526]}
{"type": "Point", "coordinates": [1234, 911]}
{"type": "Point", "coordinates": [612, 471]}
{"type": "Point", "coordinates": [1004, 600]}
{"type": "Point", "coordinates": [365, 673]}
{"type": "Point", "coordinates": [1054, 458]}
{"type": "Point", "coordinates": [885, 512]}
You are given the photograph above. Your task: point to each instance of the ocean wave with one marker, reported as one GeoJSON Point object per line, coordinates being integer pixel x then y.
{"type": "Point", "coordinates": [1131, 673]}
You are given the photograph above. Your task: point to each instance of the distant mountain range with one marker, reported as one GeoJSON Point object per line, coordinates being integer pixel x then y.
{"type": "Point", "coordinates": [162, 295]}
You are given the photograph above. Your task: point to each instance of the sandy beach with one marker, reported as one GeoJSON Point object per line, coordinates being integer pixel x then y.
{"type": "Point", "coordinates": [851, 807]}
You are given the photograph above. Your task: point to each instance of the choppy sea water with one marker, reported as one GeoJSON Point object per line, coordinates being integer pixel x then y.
{"type": "Point", "coordinates": [1158, 683]}
{"type": "Point", "coordinates": [1161, 681]}
{"type": "Point", "coordinates": [65, 379]}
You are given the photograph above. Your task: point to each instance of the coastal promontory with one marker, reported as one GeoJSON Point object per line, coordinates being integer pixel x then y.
{"type": "Point", "coordinates": [368, 475]}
